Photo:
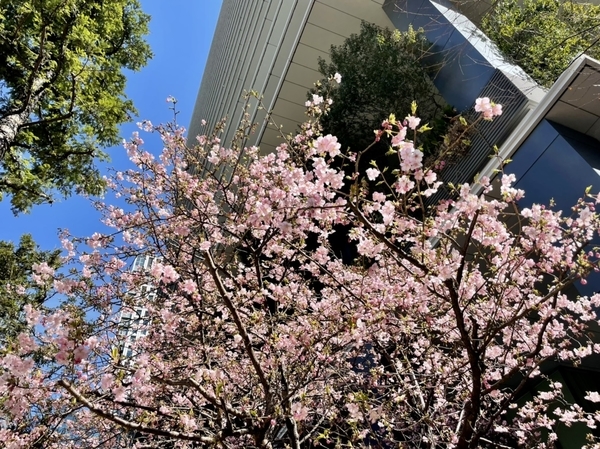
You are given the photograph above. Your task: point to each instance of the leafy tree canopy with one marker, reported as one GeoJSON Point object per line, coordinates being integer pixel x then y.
{"type": "Point", "coordinates": [62, 92]}
{"type": "Point", "coordinates": [15, 271]}
{"type": "Point", "coordinates": [382, 73]}
{"type": "Point", "coordinates": [544, 36]}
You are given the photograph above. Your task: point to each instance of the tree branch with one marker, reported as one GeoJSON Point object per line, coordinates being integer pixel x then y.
{"type": "Point", "coordinates": [129, 424]}
{"type": "Point", "coordinates": [241, 329]}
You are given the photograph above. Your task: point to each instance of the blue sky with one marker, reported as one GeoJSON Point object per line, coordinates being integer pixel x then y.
{"type": "Point", "coordinates": [181, 32]}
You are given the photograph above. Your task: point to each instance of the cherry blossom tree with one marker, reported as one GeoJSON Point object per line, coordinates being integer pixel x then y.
{"type": "Point", "coordinates": [260, 337]}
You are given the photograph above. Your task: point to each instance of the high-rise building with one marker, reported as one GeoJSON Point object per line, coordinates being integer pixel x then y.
{"type": "Point", "coordinates": [272, 47]}
{"type": "Point", "coordinates": [133, 317]}
{"type": "Point", "coordinates": [552, 136]}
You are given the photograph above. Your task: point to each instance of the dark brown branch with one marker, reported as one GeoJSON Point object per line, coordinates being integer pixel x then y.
{"type": "Point", "coordinates": [290, 422]}
{"type": "Point", "coordinates": [209, 397]}
{"type": "Point", "coordinates": [472, 408]}
{"type": "Point", "coordinates": [129, 424]}
{"type": "Point", "coordinates": [382, 238]}
{"type": "Point", "coordinates": [241, 329]}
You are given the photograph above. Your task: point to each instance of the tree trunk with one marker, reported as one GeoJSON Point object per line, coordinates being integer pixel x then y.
{"type": "Point", "coordinates": [9, 128]}
{"type": "Point", "coordinates": [10, 124]}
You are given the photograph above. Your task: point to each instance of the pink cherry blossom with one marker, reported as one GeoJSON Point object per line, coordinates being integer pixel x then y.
{"type": "Point", "coordinates": [593, 396]}
{"type": "Point", "coordinates": [328, 144]}
{"type": "Point", "coordinates": [487, 108]}
{"type": "Point", "coordinates": [413, 122]}
{"type": "Point", "coordinates": [283, 302]}
{"type": "Point", "coordinates": [399, 137]}
{"type": "Point", "coordinates": [372, 174]}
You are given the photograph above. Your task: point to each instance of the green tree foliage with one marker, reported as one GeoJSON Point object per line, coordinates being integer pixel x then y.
{"type": "Point", "coordinates": [544, 36]}
{"type": "Point", "coordinates": [62, 92]}
{"type": "Point", "coordinates": [381, 74]}
{"type": "Point", "coordinates": [16, 270]}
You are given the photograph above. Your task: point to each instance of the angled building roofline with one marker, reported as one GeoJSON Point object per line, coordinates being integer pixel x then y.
{"type": "Point", "coordinates": [563, 85]}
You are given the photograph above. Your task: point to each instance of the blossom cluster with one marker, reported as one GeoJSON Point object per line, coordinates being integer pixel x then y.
{"type": "Point", "coordinates": [290, 301]}
{"type": "Point", "coordinates": [488, 108]}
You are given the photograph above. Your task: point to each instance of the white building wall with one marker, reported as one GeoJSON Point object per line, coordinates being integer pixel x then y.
{"type": "Point", "coordinates": [247, 48]}
{"type": "Point", "coordinates": [133, 321]}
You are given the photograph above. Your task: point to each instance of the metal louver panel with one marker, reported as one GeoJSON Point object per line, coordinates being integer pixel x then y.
{"type": "Point", "coordinates": [487, 134]}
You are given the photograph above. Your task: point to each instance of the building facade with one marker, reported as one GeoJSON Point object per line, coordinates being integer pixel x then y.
{"type": "Point", "coordinates": [133, 319]}
{"type": "Point", "coordinates": [273, 46]}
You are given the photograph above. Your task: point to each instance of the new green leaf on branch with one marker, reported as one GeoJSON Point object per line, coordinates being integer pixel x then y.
{"type": "Point", "coordinates": [544, 36]}
{"type": "Point", "coordinates": [62, 92]}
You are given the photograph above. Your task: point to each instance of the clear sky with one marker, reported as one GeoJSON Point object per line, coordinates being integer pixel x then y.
{"type": "Point", "coordinates": [181, 32]}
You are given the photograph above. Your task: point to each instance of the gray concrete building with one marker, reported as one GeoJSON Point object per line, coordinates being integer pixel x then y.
{"type": "Point", "coordinates": [272, 47]}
